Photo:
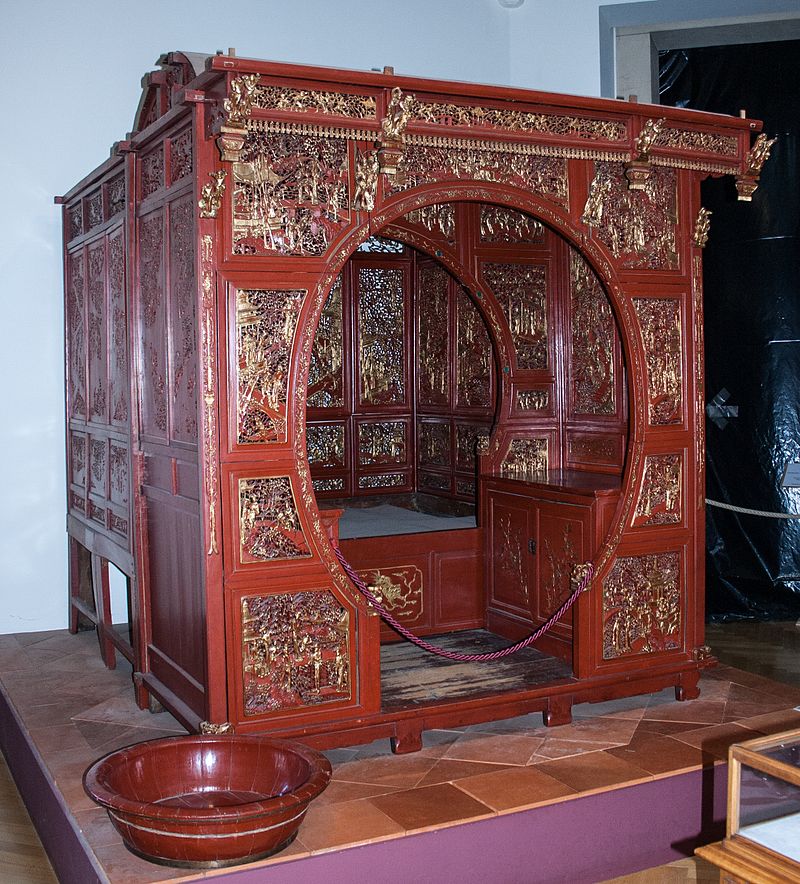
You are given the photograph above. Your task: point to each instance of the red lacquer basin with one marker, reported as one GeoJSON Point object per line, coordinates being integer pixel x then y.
{"type": "Point", "coordinates": [206, 801]}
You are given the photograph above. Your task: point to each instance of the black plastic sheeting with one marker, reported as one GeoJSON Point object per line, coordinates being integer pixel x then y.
{"type": "Point", "coordinates": [752, 330]}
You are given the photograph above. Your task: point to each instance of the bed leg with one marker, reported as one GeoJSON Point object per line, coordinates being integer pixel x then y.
{"type": "Point", "coordinates": [559, 711]}
{"type": "Point", "coordinates": [407, 737]}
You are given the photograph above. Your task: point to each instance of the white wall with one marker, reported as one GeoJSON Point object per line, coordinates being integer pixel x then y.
{"type": "Point", "coordinates": [71, 86]}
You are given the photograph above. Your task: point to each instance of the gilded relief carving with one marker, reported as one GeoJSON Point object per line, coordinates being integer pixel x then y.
{"type": "Point", "coordinates": [660, 495]}
{"type": "Point", "coordinates": [449, 114]}
{"type": "Point", "coordinates": [381, 335]}
{"type": "Point", "coordinates": [328, 485]}
{"type": "Point", "coordinates": [468, 439]}
{"type": "Point", "coordinates": [558, 568]}
{"type": "Point", "coordinates": [290, 193]}
{"type": "Point", "coordinates": [241, 95]}
{"type": "Point", "coordinates": [325, 379]}
{"type": "Point", "coordinates": [295, 651]}
{"type": "Point", "coordinates": [209, 387]}
{"type": "Point", "coordinates": [398, 589]}
{"type": "Point", "coordinates": [367, 171]}
{"type": "Point", "coordinates": [510, 563]}
{"type": "Point", "coordinates": [522, 291]}
{"type": "Point", "coordinates": [692, 139]}
{"type": "Point", "coordinates": [660, 324]}
{"type": "Point", "coordinates": [382, 442]}
{"type": "Point", "coordinates": [593, 339]}
{"type": "Point", "coordinates": [303, 101]}
{"type": "Point", "coordinates": [636, 225]}
{"type": "Point", "coordinates": [473, 356]}
{"type": "Point", "coordinates": [382, 480]}
{"type": "Point", "coordinates": [325, 445]}
{"type": "Point", "coordinates": [532, 400]}
{"type": "Point", "coordinates": [499, 224]}
{"type": "Point", "coordinates": [433, 386]}
{"type": "Point", "coordinates": [642, 605]}
{"type": "Point", "coordinates": [210, 200]}
{"type": "Point", "coordinates": [269, 527]}
{"type": "Point", "coordinates": [702, 226]}
{"type": "Point", "coordinates": [265, 325]}
{"type": "Point", "coordinates": [525, 457]}
{"type": "Point", "coordinates": [434, 443]}
{"type": "Point", "coordinates": [438, 218]}
{"type": "Point", "coordinates": [482, 161]}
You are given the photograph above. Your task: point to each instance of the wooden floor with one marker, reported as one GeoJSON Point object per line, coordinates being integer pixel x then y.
{"type": "Point", "coordinates": [22, 857]}
{"type": "Point", "coordinates": [769, 649]}
{"type": "Point", "coordinates": [411, 676]}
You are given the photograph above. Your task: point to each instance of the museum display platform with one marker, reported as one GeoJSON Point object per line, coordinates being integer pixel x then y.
{"type": "Point", "coordinates": [629, 784]}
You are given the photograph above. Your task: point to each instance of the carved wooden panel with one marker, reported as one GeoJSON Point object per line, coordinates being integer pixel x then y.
{"type": "Point", "coordinates": [510, 532]}
{"type": "Point", "coordinates": [183, 322]}
{"type": "Point", "coordinates": [593, 342]}
{"type": "Point", "coordinates": [382, 443]}
{"type": "Point", "coordinates": [438, 219]}
{"type": "Point", "coordinates": [660, 324]}
{"type": "Point", "coordinates": [325, 445]}
{"type": "Point", "coordinates": [433, 365]}
{"type": "Point", "coordinates": [560, 546]}
{"type": "Point", "coordinates": [642, 605]}
{"type": "Point", "coordinates": [638, 226]}
{"type": "Point", "coordinates": [433, 442]}
{"type": "Point", "coordinates": [265, 326]}
{"type": "Point", "coordinates": [180, 156]}
{"type": "Point", "coordinates": [97, 328]}
{"type": "Point", "coordinates": [524, 457]}
{"type": "Point", "coordinates": [269, 527]}
{"type": "Point", "coordinates": [76, 335]}
{"type": "Point", "coordinates": [295, 651]}
{"type": "Point", "coordinates": [291, 193]}
{"type": "Point", "coordinates": [78, 458]}
{"type": "Point", "coordinates": [473, 356]}
{"type": "Point", "coordinates": [98, 466]}
{"type": "Point", "coordinates": [661, 492]}
{"type": "Point", "coordinates": [522, 291]}
{"type": "Point", "coordinates": [499, 224]}
{"type": "Point", "coordinates": [118, 379]}
{"type": "Point", "coordinates": [119, 492]}
{"type": "Point", "coordinates": [468, 438]}
{"type": "Point", "coordinates": [153, 325]}
{"type": "Point", "coordinates": [151, 172]}
{"type": "Point", "coordinates": [326, 372]}
{"type": "Point", "coordinates": [399, 589]}
{"type": "Point", "coordinates": [382, 336]}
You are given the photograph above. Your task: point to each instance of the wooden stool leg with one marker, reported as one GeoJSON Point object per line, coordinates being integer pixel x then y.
{"type": "Point", "coordinates": [81, 601]}
{"type": "Point", "coordinates": [102, 602]}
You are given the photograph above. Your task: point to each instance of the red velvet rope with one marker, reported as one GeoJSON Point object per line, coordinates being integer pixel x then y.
{"type": "Point", "coordinates": [453, 655]}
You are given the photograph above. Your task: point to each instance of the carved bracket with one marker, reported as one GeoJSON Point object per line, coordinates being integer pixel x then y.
{"type": "Point", "coordinates": [758, 154]}
{"type": "Point", "coordinates": [637, 170]}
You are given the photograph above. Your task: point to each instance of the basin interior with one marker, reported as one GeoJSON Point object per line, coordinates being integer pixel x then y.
{"type": "Point", "coordinates": [203, 773]}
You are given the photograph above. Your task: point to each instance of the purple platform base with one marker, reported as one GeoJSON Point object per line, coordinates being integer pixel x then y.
{"type": "Point", "coordinates": [584, 839]}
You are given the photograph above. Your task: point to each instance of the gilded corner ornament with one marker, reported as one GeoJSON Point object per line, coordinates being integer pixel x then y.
{"type": "Point", "coordinates": [581, 574]}
{"type": "Point", "coordinates": [211, 194]}
{"type": "Point", "coordinates": [238, 105]}
{"type": "Point", "coordinates": [368, 168]}
{"type": "Point", "coordinates": [208, 727]}
{"type": "Point", "coordinates": [393, 129]}
{"type": "Point", "coordinates": [758, 154]}
{"type": "Point", "coordinates": [702, 225]}
{"type": "Point", "coordinates": [637, 171]}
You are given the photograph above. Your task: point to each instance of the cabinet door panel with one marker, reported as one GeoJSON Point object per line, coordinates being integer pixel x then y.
{"type": "Point", "coordinates": [510, 571]}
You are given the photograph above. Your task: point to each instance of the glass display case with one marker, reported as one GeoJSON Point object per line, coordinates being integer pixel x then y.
{"type": "Point", "coordinates": [762, 840]}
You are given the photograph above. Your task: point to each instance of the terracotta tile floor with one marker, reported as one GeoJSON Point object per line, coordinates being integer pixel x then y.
{"type": "Point", "coordinates": [76, 710]}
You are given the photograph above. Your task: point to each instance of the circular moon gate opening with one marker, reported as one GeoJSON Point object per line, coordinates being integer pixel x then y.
{"type": "Point", "coordinates": [461, 323]}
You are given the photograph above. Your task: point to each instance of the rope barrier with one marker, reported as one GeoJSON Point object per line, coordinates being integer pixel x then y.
{"type": "Point", "coordinates": [454, 655]}
{"type": "Point", "coordinates": [742, 509]}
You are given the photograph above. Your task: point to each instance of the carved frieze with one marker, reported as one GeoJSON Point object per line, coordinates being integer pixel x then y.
{"type": "Point", "coordinates": [382, 442]}
{"type": "Point", "coordinates": [525, 457]}
{"type": "Point", "coordinates": [433, 387]}
{"type": "Point", "coordinates": [424, 163]}
{"type": "Point", "coordinates": [499, 224]}
{"type": "Point", "coordinates": [382, 480]}
{"type": "Point", "coordinates": [642, 605]}
{"type": "Point", "coordinates": [265, 326]}
{"type": "Point", "coordinates": [295, 651]}
{"type": "Point", "coordinates": [399, 589]}
{"type": "Point", "coordinates": [593, 338]}
{"type": "Point", "coordinates": [660, 495]}
{"type": "Point", "coordinates": [522, 291]}
{"type": "Point", "coordinates": [532, 400]}
{"type": "Point", "coordinates": [325, 379]}
{"type": "Point", "coordinates": [660, 324]}
{"type": "Point", "coordinates": [291, 193]}
{"type": "Point", "coordinates": [638, 226]}
{"type": "Point", "coordinates": [381, 335]}
{"type": "Point", "coordinates": [449, 114]}
{"type": "Point", "coordinates": [434, 481]}
{"type": "Point", "coordinates": [269, 527]}
{"type": "Point", "coordinates": [325, 445]}
{"type": "Point", "coordinates": [434, 444]}
{"type": "Point", "coordinates": [303, 101]}
{"type": "Point", "coordinates": [328, 484]}
{"type": "Point", "coordinates": [693, 139]}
